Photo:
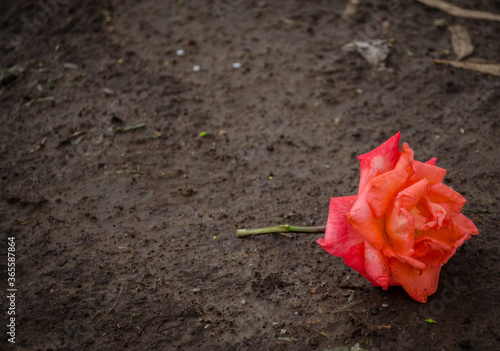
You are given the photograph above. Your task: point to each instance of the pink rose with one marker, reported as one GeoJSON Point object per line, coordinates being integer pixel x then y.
{"type": "Point", "coordinates": [403, 225]}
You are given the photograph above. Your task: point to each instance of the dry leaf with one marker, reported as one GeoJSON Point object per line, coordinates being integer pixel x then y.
{"type": "Point", "coordinates": [489, 68]}
{"type": "Point", "coordinates": [460, 12]}
{"type": "Point", "coordinates": [461, 42]}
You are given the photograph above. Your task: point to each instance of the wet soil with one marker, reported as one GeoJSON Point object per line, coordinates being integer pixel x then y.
{"type": "Point", "coordinates": [125, 237]}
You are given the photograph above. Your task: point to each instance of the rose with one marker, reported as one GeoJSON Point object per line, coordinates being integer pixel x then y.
{"type": "Point", "coordinates": [403, 225]}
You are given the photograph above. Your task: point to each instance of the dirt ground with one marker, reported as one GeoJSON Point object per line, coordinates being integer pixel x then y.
{"type": "Point", "coordinates": [125, 237]}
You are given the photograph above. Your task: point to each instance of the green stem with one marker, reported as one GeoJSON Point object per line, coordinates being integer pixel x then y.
{"type": "Point", "coordinates": [287, 228]}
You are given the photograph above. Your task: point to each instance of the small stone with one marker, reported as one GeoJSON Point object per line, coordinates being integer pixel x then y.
{"type": "Point", "coordinates": [179, 52]}
{"type": "Point", "coordinates": [385, 305]}
{"type": "Point", "coordinates": [462, 130]}
{"type": "Point", "coordinates": [336, 121]}
{"type": "Point", "coordinates": [108, 91]}
{"type": "Point", "coordinates": [196, 290]}
{"type": "Point", "coordinates": [243, 302]}
{"type": "Point", "coordinates": [196, 68]}
{"type": "Point", "coordinates": [236, 64]}
{"type": "Point", "coordinates": [283, 331]}
{"type": "Point", "coordinates": [262, 4]}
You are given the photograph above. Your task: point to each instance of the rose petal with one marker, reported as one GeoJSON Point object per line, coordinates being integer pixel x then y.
{"type": "Point", "coordinates": [421, 219]}
{"type": "Point", "coordinates": [355, 258]}
{"type": "Point", "coordinates": [340, 236]}
{"type": "Point", "coordinates": [363, 220]}
{"type": "Point", "coordinates": [452, 234]}
{"type": "Point", "coordinates": [341, 239]}
{"type": "Point", "coordinates": [418, 265]}
{"type": "Point", "coordinates": [434, 253]}
{"type": "Point", "coordinates": [432, 161]}
{"type": "Point", "coordinates": [376, 266]}
{"type": "Point", "coordinates": [379, 160]}
{"type": "Point", "coordinates": [409, 197]}
{"type": "Point", "coordinates": [381, 189]}
{"type": "Point", "coordinates": [434, 174]}
{"type": "Point", "coordinates": [465, 224]}
{"type": "Point", "coordinates": [405, 160]}
{"type": "Point", "coordinates": [447, 198]}
{"type": "Point", "coordinates": [438, 213]}
{"type": "Point", "coordinates": [400, 226]}
{"type": "Point", "coordinates": [418, 284]}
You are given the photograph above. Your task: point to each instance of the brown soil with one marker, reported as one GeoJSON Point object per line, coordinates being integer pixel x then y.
{"type": "Point", "coordinates": [135, 246]}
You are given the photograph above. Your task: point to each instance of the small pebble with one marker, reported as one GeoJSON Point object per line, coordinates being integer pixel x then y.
{"type": "Point", "coordinates": [283, 331]}
{"type": "Point", "coordinates": [195, 290]}
{"type": "Point", "coordinates": [180, 52]}
{"type": "Point", "coordinates": [336, 121]}
{"type": "Point", "coordinates": [237, 65]}
{"type": "Point", "coordinates": [196, 68]}
{"type": "Point", "coordinates": [385, 305]}
{"type": "Point", "coordinates": [262, 4]}
{"type": "Point", "coordinates": [243, 302]}
{"type": "Point", "coordinates": [462, 130]}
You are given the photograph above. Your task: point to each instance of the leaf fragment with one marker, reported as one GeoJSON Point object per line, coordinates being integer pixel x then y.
{"type": "Point", "coordinates": [70, 65]}
{"type": "Point", "coordinates": [292, 339]}
{"type": "Point", "coordinates": [460, 41]}
{"type": "Point", "coordinates": [126, 129]}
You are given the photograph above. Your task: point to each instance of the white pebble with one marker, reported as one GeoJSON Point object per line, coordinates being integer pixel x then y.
{"type": "Point", "coordinates": [236, 65]}
{"type": "Point", "coordinates": [336, 121]}
{"type": "Point", "coordinates": [385, 305]}
{"type": "Point", "coordinates": [195, 290]}
{"type": "Point", "coordinates": [462, 130]}
{"type": "Point", "coordinates": [180, 52]}
{"type": "Point", "coordinates": [196, 68]}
